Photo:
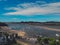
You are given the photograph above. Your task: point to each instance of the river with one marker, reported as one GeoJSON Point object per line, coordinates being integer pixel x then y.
{"type": "Point", "coordinates": [33, 31]}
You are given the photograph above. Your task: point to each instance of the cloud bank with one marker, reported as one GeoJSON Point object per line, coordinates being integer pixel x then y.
{"type": "Point", "coordinates": [37, 8]}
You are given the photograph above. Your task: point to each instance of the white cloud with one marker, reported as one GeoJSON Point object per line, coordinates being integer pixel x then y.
{"type": "Point", "coordinates": [29, 5]}
{"type": "Point", "coordinates": [35, 8]}
{"type": "Point", "coordinates": [13, 8]}
{"type": "Point", "coordinates": [14, 18]}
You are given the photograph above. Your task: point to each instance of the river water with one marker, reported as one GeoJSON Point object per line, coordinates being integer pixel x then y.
{"type": "Point", "coordinates": [32, 30]}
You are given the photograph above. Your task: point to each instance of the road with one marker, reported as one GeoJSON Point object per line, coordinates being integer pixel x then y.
{"type": "Point", "coordinates": [25, 42]}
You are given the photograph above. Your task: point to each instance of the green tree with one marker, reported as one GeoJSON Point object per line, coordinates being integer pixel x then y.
{"type": "Point", "coordinates": [52, 41]}
{"type": "Point", "coordinates": [39, 39]}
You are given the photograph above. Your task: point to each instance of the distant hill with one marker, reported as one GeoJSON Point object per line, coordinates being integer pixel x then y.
{"type": "Point", "coordinates": [48, 23]}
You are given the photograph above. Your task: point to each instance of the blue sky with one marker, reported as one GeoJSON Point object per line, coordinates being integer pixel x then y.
{"type": "Point", "coordinates": [29, 10]}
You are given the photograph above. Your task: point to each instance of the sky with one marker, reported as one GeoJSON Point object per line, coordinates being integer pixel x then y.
{"type": "Point", "coordinates": [29, 10]}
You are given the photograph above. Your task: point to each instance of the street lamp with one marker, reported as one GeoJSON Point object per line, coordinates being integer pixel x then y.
{"type": "Point", "coordinates": [57, 35]}
{"type": "Point", "coordinates": [57, 40]}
